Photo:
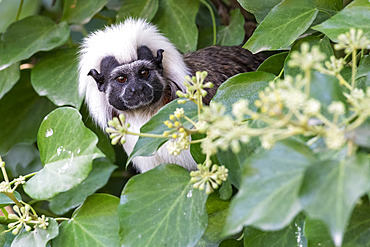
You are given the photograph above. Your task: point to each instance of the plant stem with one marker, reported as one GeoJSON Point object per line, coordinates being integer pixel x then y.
{"type": "Point", "coordinates": [146, 135]}
{"type": "Point", "coordinates": [213, 20]}
{"type": "Point", "coordinates": [19, 10]}
{"type": "Point", "coordinates": [354, 67]}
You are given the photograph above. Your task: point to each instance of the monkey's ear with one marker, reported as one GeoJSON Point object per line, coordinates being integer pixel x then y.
{"type": "Point", "coordinates": [98, 78]}
{"type": "Point", "coordinates": [144, 53]}
{"type": "Point", "coordinates": [159, 57]}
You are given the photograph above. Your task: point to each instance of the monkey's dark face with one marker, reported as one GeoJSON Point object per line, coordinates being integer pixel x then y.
{"type": "Point", "coordinates": [131, 85]}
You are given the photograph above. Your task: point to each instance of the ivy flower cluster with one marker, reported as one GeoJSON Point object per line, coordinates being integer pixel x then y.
{"type": "Point", "coordinates": [117, 129]}
{"type": "Point", "coordinates": [208, 177]}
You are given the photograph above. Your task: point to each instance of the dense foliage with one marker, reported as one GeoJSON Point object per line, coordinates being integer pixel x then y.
{"type": "Point", "coordinates": [288, 186]}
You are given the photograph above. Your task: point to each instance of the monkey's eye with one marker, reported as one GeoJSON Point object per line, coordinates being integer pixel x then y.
{"type": "Point", "coordinates": [121, 79]}
{"type": "Point", "coordinates": [143, 73]}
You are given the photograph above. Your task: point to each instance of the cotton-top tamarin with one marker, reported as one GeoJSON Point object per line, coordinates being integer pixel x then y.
{"type": "Point", "coordinates": [133, 69]}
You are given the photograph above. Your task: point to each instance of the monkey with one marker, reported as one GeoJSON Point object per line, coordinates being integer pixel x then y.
{"type": "Point", "coordinates": [131, 68]}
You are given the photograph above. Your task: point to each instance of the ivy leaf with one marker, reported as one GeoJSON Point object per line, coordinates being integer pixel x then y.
{"type": "Point", "coordinates": [8, 78]}
{"type": "Point", "coordinates": [259, 8]}
{"type": "Point", "coordinates": [217, 213]}
{"type": "Point", "coordinates": [291, 235]}
{"type": "Point", "coordinates": [242, 86]}
{"type": "Point", "coordinates": [339, 185]}
{"type": "Point", "coordinates": [355, 15]}
{"type": "Point", "coordinates": [80, 12]}
{"type": "Point", "coordinates": [268, 195]}
{"type": "Point", "coordinates": [98, 177]}
{"type": "Point", "coordinates": [95, 223]}
{"type": "Point", "coordinates": [39, 33]}
{"type": "Point", "coordinates": [274, 64]}
{"type": "Point", "coordinates": [21, 116]}
{"type": "Point", "coordinates": [67, 149]}
{"type": "Point", "coordinates": [22, 158]}
{"type": "Point", "coordinates": [285, 22]}
{"type": "Point", "coordinates": [145, 9]}
{"type": "Point", "coordinates": [233, 34]}
{"type": "Point", "coordinates": [147, 146]}
{"type": "Point", "coordinates": [160, 204]}
{"type": "Point", "coordinates": [176, 19]}
{"type": "Point", "coordinates": [38, 237]}
{"type": "Point", "coordinates": [357, 234]}
{"type": "Point", "coordinates": [61, 88]}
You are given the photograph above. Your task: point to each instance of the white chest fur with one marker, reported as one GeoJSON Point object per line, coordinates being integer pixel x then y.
{"type": "Point", "coordinates": [144, 164]}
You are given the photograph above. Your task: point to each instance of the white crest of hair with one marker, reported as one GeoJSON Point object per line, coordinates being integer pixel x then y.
{"type": "Point", "coordinates": [122, 41]}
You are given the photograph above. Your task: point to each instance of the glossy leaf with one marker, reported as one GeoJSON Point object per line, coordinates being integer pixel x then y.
{"type": "Point", "coordinates": [259, 8]}
{"type": "Point", "coordinates": [176, 19]}
{"type": "Point", "coordinates": [147, 146]}
{"type": "Point", "coordinates": [291, 235]}
{"type": "Point", "coordinates": [233, 34]}
{"type": "Point", "coordinates": [8, 78]}
{"type": "Point", "coordinates": [8, 12]}
{"type": "Point", "coordinates": [67, 149]}
{"type": "Point", "coordinates": [268, 194]}
{"type": "Point", "coordinates": [339, 185]}
{"type": "Point", "coordinates": [56, 76]}
{"type": "Point", "coordinates": [242, 86]}
{"type": "Point", "coordinates": [95, 223]}
{"type": "Point", "coordinates": [145, 9]}
{"type": "Point", "coordinates": [357, 234]}
{"type": "Point", "coordinates": [217, 213]}
{"type": "Point", "coordinates": [273, 64]}
{"type": "Point", "coordinates": [39, 33]}
{"type": "Point", "coordinates": [282, 26]}
{"type": "Point", "coordinates": [98, 177]}
{"type": "Point", "coordinates": [21, 116]}
{"type": "Point", "coordinates": [360, 136]}
{"type": "Point", "coordinates": [80, 12]}
{"type": "Point", "coordinates": [161, 208]}
{"type": "Point", "coordinates": [38, 237]}
{"type": "Point", "coordinates": [22, 158]}
{"type": "Point", "coordinates": [355, 15]}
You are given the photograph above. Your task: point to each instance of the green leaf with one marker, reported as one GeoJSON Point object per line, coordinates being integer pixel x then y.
{"type": "Point", "coordinates": [339, 185]}
{"type": "Point", "coordinates": [274, 64]}
{"type": "Point", "coordinates": [360, 136]}
{"type": "Point", "coordinates": [9, 9]}
{"type": "Point", "coordinates": [357, 234]}
{"type": "Point", "coordinates": [2, 235]}
{"type": "Point", "coordinates": [147, 146]}
{"type": "Point", "coordinates": [145, 9]}
{"type": "Point", "coordinates": [233, 34]}
{"type": "Point", "coordinates": [242, 86]}
{"type": "Point", "coordinates": [259, 8]}
{"type": "Point", "coordinates": [38, 237]}
{"type": "Point", "coordinates": [98, 177]}
{"type": "Point", "coordinates": [8, 78]}
{"type": "Point", "coordinates": [80, 12]}
{"type": "Point", "coordinates": [234, 161]}
{"type": "Point", "coordinates": [38, 33]}
{"type": "Point", "coordinates": [176, 19]}
{"type": "Point", "coordinates": [22, 158]}
{"type": "Point", "coordinates": [5, 200]}
{"type": "Point", "coordinates": [268, 195]}
{"type": "Point", "coordinates": [21, 111]}
{"type": "Point", "coordinates": [61, 88]}
{"type": "Point", "coordinates": [67, 149]}
{"type": "Point", "coordinates": [95, 223]}
{"type": "Point", "coordinates": [291, 235]}
{"type": "Point", "coordinates": [364, 67]}
{"type": "Point", "coordinates": [161, 208]}
{"type": "Point", "coordinates": [282, 26]}
{"type": "Point", "coordinates": [217, 213]}
{"type": "Point", "coordinates": [355, 15]}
